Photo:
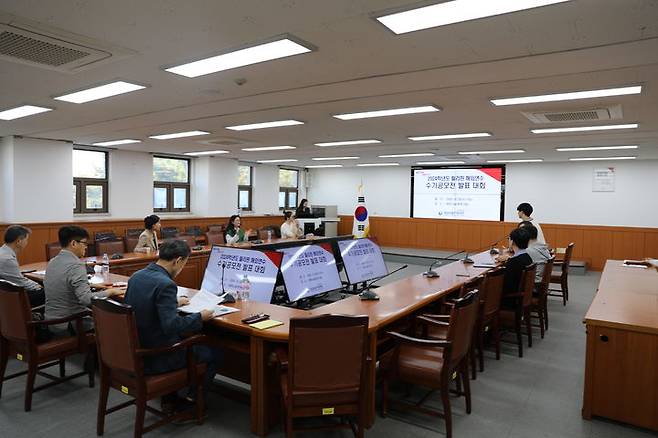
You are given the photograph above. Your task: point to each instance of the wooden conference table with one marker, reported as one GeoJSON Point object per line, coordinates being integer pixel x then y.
{"type": "Point", "coordinates": [248, 350]}
{"type": "Point", "coordinates": [621, 369]}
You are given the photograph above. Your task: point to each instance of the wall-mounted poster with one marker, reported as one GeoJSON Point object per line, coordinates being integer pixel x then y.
{"type": "Point", "coordinates": [603, 180]}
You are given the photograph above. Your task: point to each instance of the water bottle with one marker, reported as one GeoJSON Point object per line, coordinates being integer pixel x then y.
{"type": "Point", "coordinates": [105, 268]}
{"type": "Point", "coordinates": [245, 288]}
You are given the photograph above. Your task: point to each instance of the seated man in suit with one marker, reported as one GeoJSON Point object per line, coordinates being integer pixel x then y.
{"type": "Point", "coordinates": [66, 284]}
{"type": "Point", "coordinates": [515, 264]}
{"type": "Point", "coordinates": [16, 238]}
{"type": "Point", "coordinates": [152, 293]}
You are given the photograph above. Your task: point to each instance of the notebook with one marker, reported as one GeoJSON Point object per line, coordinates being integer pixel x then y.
{"type": "Point", "coordinates": [264, 325]}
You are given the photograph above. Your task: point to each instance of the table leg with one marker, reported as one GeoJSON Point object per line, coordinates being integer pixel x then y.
{"type": "Point", "coordinates": [259, 414]}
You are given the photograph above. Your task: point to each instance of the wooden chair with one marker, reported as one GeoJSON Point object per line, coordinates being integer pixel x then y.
{"type": "Point", "coordinates": [52, 249]}
{"type": "Point", "coordinates": [130, 242]}
{"type": "Point", "coordinates": [521, 311]}
{"type": "Point", "coordinates": [216, 229]}
{"type": "Point", "coordinates": [431, 362]}
{"type": "Point", "coordinates": [562, 277]}
{"type": "Point", "coordinates": [110, 247]}
{"type": "Point", "coordinates": [122, 367]}
{"type": "Point", "coordinates": [168, 232]}
{"type": "Point", "coordinates": [488, 320]}
{"type": "Point", "coordinates": [190, 240]}
{"type": "Point", "coordinates": [193, 230]}
{"type": "Point", "coordinates": [18, 332]}
{"type": "Point", "coordinates": [540, 298]}
{"type": "Point", "coordinates": [133, 232]}
{"type": "Point", "coordinates": [215, 238]}
{"type": "Point", "coordinates": [100, 236]}
{"type": "Point", "coordinates": [324, 374]}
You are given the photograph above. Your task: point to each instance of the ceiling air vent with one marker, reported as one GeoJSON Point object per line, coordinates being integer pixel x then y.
{"type": "Point", "coordinates": [54, 49]}
{"type": "Point", "coordinates": [587, 115]}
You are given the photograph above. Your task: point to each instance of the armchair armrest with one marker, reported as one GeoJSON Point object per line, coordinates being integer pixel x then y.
{"type": "Point", "coordinates": [435, 316]}
{"type": "Point", "coordinates": [426, 342]}
{"type": "Point", "coordinates": [429, 321]}
{"type": "Point", "coordinates": [281, 358]}
{"type": "Point", "coordinates": [185, 343]}
{"type": "Point", "coordinates": [74, 317]}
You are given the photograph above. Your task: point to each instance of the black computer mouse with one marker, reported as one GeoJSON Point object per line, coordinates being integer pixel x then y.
{"type": "Point", "coordinates": [116, 256]}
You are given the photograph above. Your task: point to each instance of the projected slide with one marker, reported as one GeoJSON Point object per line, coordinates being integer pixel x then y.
{"type": "Point", "coordinates": [457, 193]}
{"type": "Point", "coordinates": [259, 268]}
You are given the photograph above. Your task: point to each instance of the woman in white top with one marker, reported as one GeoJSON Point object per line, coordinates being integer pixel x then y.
{"type": "Point", "coordinates": [290, 229]}
{"type": "Point", "coordinates": [148, 240]}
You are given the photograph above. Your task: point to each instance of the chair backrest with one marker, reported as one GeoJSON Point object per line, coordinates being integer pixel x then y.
{"type": "Point", "coordinates": [130, 242]}
{"type": "Point", "coordinates": [116, 335]}
{"type": "Point", "coordinates": [528, 284]}
{"type": "Point", "coordinates": [133, 232]}
{"type": "Point", "coordinates": [52, 249]}
{"type": "Point", "coordinates": [472, 284]}
{"type": "Point", "coordinates": [14, 313]}
{"type": "Point", "coordinates": [262, 233]}
{"type": "Point", "coordinates": [327, 353]}
{"type": "Point", "coordinates": [194, 230]}
{"type": "Point", "coordinates": [215, 238]}
{"type": "Point", "coordinates": [110, 247]}
{"type": "Point", "coordinates": [187, 239]}
{"type": "Point", "coordinates": [100, 236]}
{"type": "Point", "coordinates": [168, 232]}
{"type": "Point", "coordinates": [542, 288]}
{"type": "Point", "coordinates": [216, 229]}
{"type": "Point", "coordinates": [492, 290]}
{"type": "Point", "coordinates": [462, 321]}
{"type": "Point", "coordinates": [567, 259]}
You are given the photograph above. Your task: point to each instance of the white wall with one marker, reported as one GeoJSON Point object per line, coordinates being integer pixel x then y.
{"type": "Point", "coordinates": [265, 190]}
{"type": "Point", "coordinates": [561, 193]}
{"type": "Point", "coordinates": [214, 186]}
{"type": "Point", "coordinates": [6, 178]}
{"type": "Point", "coordinates": [130, 185]}
{"type": "Point", "coordinates": [386, 189]}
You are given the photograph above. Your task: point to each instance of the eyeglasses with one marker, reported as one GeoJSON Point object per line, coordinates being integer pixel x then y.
{"type": "Point", "coordinates": [83, 242]}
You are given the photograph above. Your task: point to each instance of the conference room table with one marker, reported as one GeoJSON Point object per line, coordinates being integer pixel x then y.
{"type": "Point", "coordinates": [249, 351]}
{"type": "Point", "coordinates": [621, 372]}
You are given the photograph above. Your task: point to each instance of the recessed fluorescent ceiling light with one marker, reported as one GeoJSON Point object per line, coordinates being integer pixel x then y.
{"type": "Point", "coordinates": [450, 136]}
{"type": "Point", "coordinates": [277, 161]}
{"type": "Point", "coordinates": [424, 154]}
{"type": "Point", "coordinates": [334, 158]}
{"type": "Point", "coordinates": [530, 160]}
{"type": "Point", "coordinates": [239, 58]}
{"type": "Point", "coordinates": [178, 135]}
{"type": "Point", "coordinates": [583, 128]}
{"type": "Point", "coordinates": [348, 142]}
{"type": "Point", "coordinates": [263, 125]}
{"type": "Point", "coordinates": [456, 11]}
{"type": "Point", "coordinates": [378, 164]}
{"type": "Point", "coordinates": [508, 151]}
{"type": "Point", "coordinates": [22, 111]}
{"type": "Point", "coordinates": [324, 166]}
{"type": "Point", "coordinates": [268, 148]}
{"type": "Point", "coordinates": [622, 91]}
{"type": "Point", "coordinates": [595, 148]}
{"type": "Point", "coordinates": [388, 112]}
{"type": "Point", "coordinates": [196, 154]}
{"type": "Point", "coordinates": [601, 158]}
{"type": "Point", "coordinates": [116, 142]}
{"type": "Point", "coordinates": [101, 92]}
{"type": "Point", "coordinates": [439, 163]}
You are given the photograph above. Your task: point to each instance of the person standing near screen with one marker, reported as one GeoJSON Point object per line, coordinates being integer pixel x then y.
{"type": "Point", "coordinates": [148, 240]}
{"type": "Point", "coordinates": [234, 233]}
{"type": "Point", "coordinates": [524, 210]}
{"type": "Point", "coordinates": [290, 229]}
{"type": "Point", "coordinates": [303, 210]}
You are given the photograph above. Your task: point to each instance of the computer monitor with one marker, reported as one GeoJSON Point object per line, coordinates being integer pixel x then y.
{"type": "Point", "coordinates": [260, 267]}
{"type": "Point", "coordinates": [309, 270]}
{"type": "Point", "coordinates": [363, 259]}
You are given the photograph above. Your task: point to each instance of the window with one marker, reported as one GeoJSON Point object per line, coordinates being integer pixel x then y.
{"type": "Point", "coordinates": [89, 181]}
{"type": "Point", "coordinates": [245, 181]}
{"type": "Point", "coordinates": [288, 188]}
{"type": "Point", "coordinates": [171, 184]}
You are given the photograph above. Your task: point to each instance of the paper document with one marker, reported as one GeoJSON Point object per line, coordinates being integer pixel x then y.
{"type": "Point", "coordinates": [264, 325]}
{"type": "Point", "coordinates": [202, 300]}
{"type": "Point", "coordinates": [223, 310]}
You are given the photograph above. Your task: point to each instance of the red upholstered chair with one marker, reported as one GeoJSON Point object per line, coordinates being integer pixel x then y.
{"type": "Point", "coordinates": [323, 375]}
{"type": "Point", "coordinates": [122, 367]}
{"type": "Point", "coordinates": [431, 363]}
{"type": "Point", "coordinates": [18, 332]}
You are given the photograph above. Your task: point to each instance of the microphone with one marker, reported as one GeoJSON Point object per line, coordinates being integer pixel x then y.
{"type": "Point", "coordinates": [228, 298]}
{"type": "Point", "coordinates": [368, 295]}
{"type": "Point", "coordinates": [467, 260]}
{"type": "Point", "coordinates": [433, 274]}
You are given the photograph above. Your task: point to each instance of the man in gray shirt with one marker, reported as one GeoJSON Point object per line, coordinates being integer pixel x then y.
{"type": "Point", "coordinates": [66, 284]}
{"type": "Point", "coordinates": [16, 238]}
